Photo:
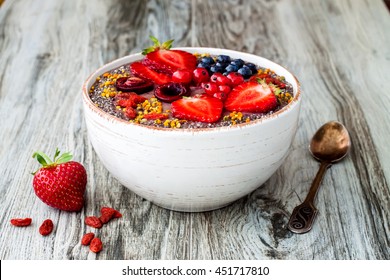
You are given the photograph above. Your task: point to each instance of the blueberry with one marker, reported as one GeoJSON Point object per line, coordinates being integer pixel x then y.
{"type": "Point", "coordinates": [207, 60]}
{"type": "Point", "coordinates": [223, 58]}
{"type": "Point", "coordinates": [251, 66]}
{"type": "Point", "coordinates": [203, 65]}
{"type": "Point", "coordinates": [245, 72]}
{"type": "Point", "coordinates": [222, 64]}
{"type": "Point", "coordinates": [238, 62]}
{"type": "Point", "coordinates": [216, 68]}
{"type": "Point", "coordinates": [231, 68]}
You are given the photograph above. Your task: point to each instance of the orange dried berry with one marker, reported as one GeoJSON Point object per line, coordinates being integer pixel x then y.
{"type": "Point", "coordinates": [108, 213]}
{"type": "Point", "coordinates": [93, 221]}
{"type": "Point", "coordinates": [21, 222]}
{"type": "Point", "coordinates": [87, 238]}
{"type": "Point", "coordinates": [46, 228]}
{"type": "Point", "coordinates": [96, 245]}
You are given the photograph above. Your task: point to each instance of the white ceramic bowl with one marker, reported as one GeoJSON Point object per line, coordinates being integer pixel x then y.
{"type": "Point", "coordinates": [199, 169]}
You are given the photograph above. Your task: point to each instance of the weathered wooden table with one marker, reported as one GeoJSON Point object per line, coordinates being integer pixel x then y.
{"type": "Point", "coordinates": [340, 52]}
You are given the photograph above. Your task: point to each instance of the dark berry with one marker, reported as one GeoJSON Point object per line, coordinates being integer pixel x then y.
{"type": "Point", "coordinates": [170, 92]}
{"type": "Point", "coordinates": [133, 84]}
{"type": "Point", "coordinates": [245, 72]}
{"type": "Point", "coordinates": [231, 68]}
{"type": "Point", "coordinates": [216, 69]}
{"type": "Point", "coordinates": [222, 64]}
{"type": "Point", "coordinates": [252, 67]}
{"type": "Point", "coordinates": [207, 60]}
{"type": "Point", "coordinates": [238, 62]}
{"type": "Point", "coordinates": [203, 65]}
{"type": "Point", "coordinates": [223, 58]}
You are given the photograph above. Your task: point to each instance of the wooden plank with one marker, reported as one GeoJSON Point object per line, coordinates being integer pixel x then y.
{"type": "Point", "coordinates": [337, 49]}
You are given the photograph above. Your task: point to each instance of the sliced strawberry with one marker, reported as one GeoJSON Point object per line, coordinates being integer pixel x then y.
{"type": "Point", "coordinates": [169, 61]}
{"type": "Point", "coordinates": [202, 109]}
{"type": "Point", "coordinates": [140, 70]}
{"type": "Point", "coordinates": [251, 97]}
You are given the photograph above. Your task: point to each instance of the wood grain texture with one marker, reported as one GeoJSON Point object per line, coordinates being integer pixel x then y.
{"type": "Point", "coordinates": [337, 49]}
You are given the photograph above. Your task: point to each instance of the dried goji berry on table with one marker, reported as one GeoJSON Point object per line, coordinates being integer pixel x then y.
{"type": "Point", "coordinates": [93, 221]}
{"type": "Point", "coordinates": [21, 222]}
{"type": "Point", "coordinates": [46, 228]}
{"type": "Point", "coordinates": [96, 245]}
{"type": "Point", "coordinates": [87, 238]}
{"type": "Point", "coordinates": [108, 213]}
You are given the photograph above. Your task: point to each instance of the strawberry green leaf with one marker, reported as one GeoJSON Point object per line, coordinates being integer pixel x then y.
{"type": "Point", "coordinates": [157, 45]}
{"type": "Point", "coordinates": [42, 158]}
{"type": "Point", "coordinates": [65, 157]}
{"type": "Point", "coordinates": [148, 50]}
{"type": "Point", "coordinates": [56, 154]}
{"type": "Point", "coordinates": [155, 40]}
{"type": "Point", "coordinates": [167, 45]}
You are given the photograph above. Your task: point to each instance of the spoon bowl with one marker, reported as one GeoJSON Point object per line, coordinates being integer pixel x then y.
{"type": "Point", "coordinates": [329, 145]}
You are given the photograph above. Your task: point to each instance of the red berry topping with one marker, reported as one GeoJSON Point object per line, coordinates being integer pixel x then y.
{"type": "Point", "coordinates": [159, 57]}
{"type": "Point", "coordinates": [220, 95]}
{"type": "Point", "coordinates": [107, 214]}
{"type": "Point", "coordinates": [140, 70]}
{"type": "Point", "coordinates": [225, 89]}
{"type": "Point", "coordinates": [133, 84]}
{"type": "Point", "coordinates": [251, 97]}
{"type": "Point", "coordinates": [96, 245]}
{"type": "Point", "coordinates": [169, 61]}
{"type": "Point", "coordinates": [21, 222]}
{"type": "Point", "coordinates": [46, 228]}
{"type": "Point", "coordinates": [170, 92]}
{"type": "Point", "coordinates": [87, 238]}
{"type": "Point", "coordinates": [156, 116]}
{"type": "Point", "coordinates": [129, 99]}
{"type": "Point", "coordinates": [93, 221]}
{"type": "Point", "coordinates": [200, 75]}
{"type": "Point", "coordinates": [220, 79]}
{"type": "Point", "coordinates": [202, 109]}
{"type": "Point", "coordinates": [182, 76]}
{"type": "Point", "coordinates": [60, 183]}
{"type": "Point", "coordinates": [210, 88]}
{"type": "Point", "coordinates": [131, 113]}
{"type": "Point", "coordinates": [235, 78]}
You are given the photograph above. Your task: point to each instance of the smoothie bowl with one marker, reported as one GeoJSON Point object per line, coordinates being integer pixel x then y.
{"type": "Point", "coordinates": [188, 143]}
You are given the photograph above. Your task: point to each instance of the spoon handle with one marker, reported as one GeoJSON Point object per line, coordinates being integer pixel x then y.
{"type": "Point", "coordinates": [303, 215]}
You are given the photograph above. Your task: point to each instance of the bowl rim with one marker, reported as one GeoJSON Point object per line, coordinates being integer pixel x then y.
{"type": "Point", "coordinates": [87, 100]}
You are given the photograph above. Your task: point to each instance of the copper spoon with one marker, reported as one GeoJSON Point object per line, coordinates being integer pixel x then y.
{"type": "Point", "coordinates": [329, 145]}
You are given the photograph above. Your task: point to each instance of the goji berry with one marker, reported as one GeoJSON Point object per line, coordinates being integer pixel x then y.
{"type": "Point", "coordinates": [21, 222]}
{"type": "Point", "coordinates": [87, 238]}
{"type": "Point", "coordinates": [156, 116]}
{"type": "Point", "coordinates": [96, 245]}
{"type": "Point", "coordinates": [107, 214]}
{"type": "Point", "coordinates": [107, 211]}
{"type": "Point", "coordinates": [93, 221]}
{"type": "Point", "coordinates": [46, 228]}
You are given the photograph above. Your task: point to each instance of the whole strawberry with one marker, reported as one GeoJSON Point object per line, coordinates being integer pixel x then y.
{"type": "Point", "coordinates": [60, 183]}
